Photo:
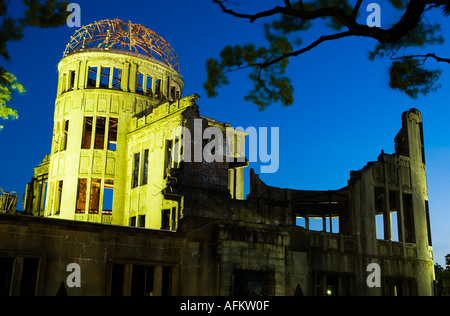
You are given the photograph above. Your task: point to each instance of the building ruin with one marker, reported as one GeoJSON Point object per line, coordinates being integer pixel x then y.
{"type": "Point", "coordinates": [111, 198]}
{"type": "Point", "coordinates": [8, 202]}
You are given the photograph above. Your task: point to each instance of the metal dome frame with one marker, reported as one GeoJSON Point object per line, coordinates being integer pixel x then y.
{"type": "Point", "coordinates": [118, 35]}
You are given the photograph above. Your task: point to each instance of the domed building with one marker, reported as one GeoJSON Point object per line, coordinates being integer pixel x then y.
{"type": "Point", "coordinates": [129, 201]}
{"type": "Point", "coordinates": [119, 101]}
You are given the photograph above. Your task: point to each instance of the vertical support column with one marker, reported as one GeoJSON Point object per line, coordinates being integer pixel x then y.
{"type": "Point", "coordinates": [400, 215]}
{"type": "Point", "coordinates": [239, 179]}
{"type": "Point", "coordinates": [386, 204]}
{"type": "Point", "coordinates": [76, 84]}
{"type": "Point", "coordinates": [40, 199]}
{"type": "Point", "coordinates": [127, 279]}
{"type": "Point", "coordinates": [157, 281]}
{"type": "Point", "coordinates": [82, 76]}
{"type": "Point", "coordinates": [168, 88]}
{"type": "Point", "coordinates": [16, 277]}
{"type": "Point", "coordinates": [231, 182]}
{"type": "Point", "coordinates": [126, 77]}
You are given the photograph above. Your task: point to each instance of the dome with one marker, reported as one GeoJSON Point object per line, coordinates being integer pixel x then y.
{"type": "Point", "coordinates": [117, 35]}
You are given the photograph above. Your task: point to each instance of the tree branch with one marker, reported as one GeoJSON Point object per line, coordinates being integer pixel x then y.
{"type": "Point", "coordinates": [270, 62]}
{"type": "Point", "coordinates": [408, 22]}
{"type": "Point", "coordinates": [314, 44]}
{"type": "Point", "coordinates": [425, 57]}
{"type": "Point", "coordinates": [288, 4]}
{"type": "Point", "coordinates": [252, 17]}
{"type": "Point", "coordinates": [356, 9]}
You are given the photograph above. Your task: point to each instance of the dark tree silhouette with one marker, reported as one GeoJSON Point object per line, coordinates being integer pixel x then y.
{"type": "Point", "coordinates": [412, 31]}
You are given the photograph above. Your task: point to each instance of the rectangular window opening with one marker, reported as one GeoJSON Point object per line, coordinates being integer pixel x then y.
{"type": "Point", "coordinates": [394, 205]}
{"type": "Point", "coordinates": [6, 271]}
{"type": "Point", "coordinates": [379, 209]}
{"type": "Point", "coordinates": [117, 78]}
{"type": "Point", "coordinates": [142, 281]}
{"type": "Point", "coordinates": [139, 83]}
{"type": "Point", "coordinates": [108, 197]}
{"type": "Point", "coordinates": [168, 158]}
{"type": "Point", "coordinates": [29, 277]}
{"type": "Point", "coordinates": [94, 202]}
{"type": "Point", "coordinates": [149, 86]}
{"type": "Point", "coordinates": [87, 132]}
{"type": "Point", "coordinates": [145, 167]}
{"type": "Point", "coordinates": [165, 220]}
{"type": "Point", "coordinates": [65, 135]}
{"type": "Point", "coordinates": [59, 196]}
{"type": "Point", "coordinates": [427, 210]}
{"type": "Point", "coordinates": [316, 224]}
{"type": "Point", "coordinates": [81, 196]}
{"type": "Point", "coordinates": [408, 215]}
{"type": "Point", "coordinates": [100, 133]}
{"type": "Point", "coordinates": [158, 88]}
{"type": "Point", "coordinates": [300, 222]}
{"type": "Point", "coordinates": [333, 225]}
{"type": "Point", "coordinates": [92, 77]}
{"type": "Point", "coordinates": [112, 134]}
{"type": "Point", "coordinates": [104, 77]}
{"type": "Point", "coordinates": [72, 80]}
{"type": "Point", "coordinates": [394, 225]}
{"type": "Point", "coordinates": [172, 93]}
{"type": "Point", "coordinates": [174, 218]}
{"type": "Point", "coordinates": [141, 221]}
{"type": "Point", "coordinates": [135, 180]}
{"type": "Point", "coordinates": [133, 221]}
{"type": "Point", "coordinates": [380, 226]}
{"type": "Point", "coordinates": [117, 279]}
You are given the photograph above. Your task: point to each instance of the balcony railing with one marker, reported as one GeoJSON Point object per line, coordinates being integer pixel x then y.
{"type": "Point", "coordinates": [396, 249]}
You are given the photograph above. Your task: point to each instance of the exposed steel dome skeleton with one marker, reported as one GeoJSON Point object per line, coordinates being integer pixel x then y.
{"type": "Point", "coordinates": [118, 35]}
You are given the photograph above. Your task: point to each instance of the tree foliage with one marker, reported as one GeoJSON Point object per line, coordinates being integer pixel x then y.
{"type": "Point", "coordinates": [285, 24]}
{"type": "Point", "coordinates": [441, 274]}
{"type": "Point", "coordinates": [45, 14]}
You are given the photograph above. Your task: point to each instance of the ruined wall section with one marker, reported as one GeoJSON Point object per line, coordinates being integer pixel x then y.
{"type": "Point", "coordinates": [110, 258]}
{"type": "Point", "coordinates": [396, 185]}
{"type": "Point", "coordinates": [151, 167]}
{"type": "Point", "coordinates": [206, 180]}
{"type": "Point", "coordinates": [36, 190]}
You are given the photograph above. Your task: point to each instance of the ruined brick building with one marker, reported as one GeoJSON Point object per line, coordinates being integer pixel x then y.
{"type": "Point", "coordinates": [111, 198]}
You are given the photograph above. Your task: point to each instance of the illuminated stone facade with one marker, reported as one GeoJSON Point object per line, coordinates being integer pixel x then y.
{"type": "Point", "coordinates": [115, 117]}
{"type": "Point", "coordinates": [114, 133]}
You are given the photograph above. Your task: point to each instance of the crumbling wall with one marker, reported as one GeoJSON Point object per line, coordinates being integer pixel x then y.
{"type": "Point", "coordinates": [35, 194]}
{"type": "Point", "coordinates": [8, 202]}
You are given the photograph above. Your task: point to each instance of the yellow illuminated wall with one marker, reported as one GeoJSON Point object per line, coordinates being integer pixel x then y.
{"type": "Point", "coordinates": [115, 114]}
